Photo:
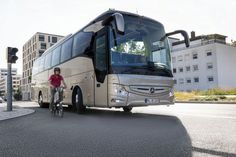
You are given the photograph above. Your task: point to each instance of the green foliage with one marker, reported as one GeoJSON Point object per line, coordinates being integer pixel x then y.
{"type": "Point", "coordinates": [233, 43]}
{"type": "Point", "coordinates": [18, 95]}
{"type": "Point", "coordinates": [208, 95]}
{"type": "Point", "coordinates": [217, 91]}
{"type": "Point", "coordinates": [132, 47]}
{"type": "Point", "coordinates": [1, 93]}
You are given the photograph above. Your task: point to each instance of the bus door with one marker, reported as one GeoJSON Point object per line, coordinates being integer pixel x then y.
{"type": "Point", "coordinates": [101, 66]}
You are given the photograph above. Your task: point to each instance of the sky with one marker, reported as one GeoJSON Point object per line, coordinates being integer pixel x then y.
{"type": "Point", "coordinates": [21, 19]}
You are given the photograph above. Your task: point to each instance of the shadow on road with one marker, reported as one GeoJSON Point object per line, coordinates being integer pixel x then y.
{"type": "Point", "coordinates": [212, 152]}
{"type": "Point", "coordinates": [145, 134]}
{"type": "Point", "coordinates": [96, 133]}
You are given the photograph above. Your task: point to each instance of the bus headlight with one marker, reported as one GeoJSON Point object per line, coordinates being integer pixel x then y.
{"type": "Point", "coordinates": [120, 90]}
{"type": "Point", "coordinates": [171, 93]}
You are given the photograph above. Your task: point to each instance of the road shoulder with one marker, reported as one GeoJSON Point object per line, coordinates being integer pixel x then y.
{"type": "Point", "coordinates": [16, 112]}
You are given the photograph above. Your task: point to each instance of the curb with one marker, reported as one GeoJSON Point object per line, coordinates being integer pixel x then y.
{"type": "Point", "coordinates": [15, 113]}
{"type": "Point", "coordinates": [206, 102]}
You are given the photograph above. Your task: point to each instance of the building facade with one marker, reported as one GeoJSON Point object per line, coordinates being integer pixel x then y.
{"type": "Point", "coordinates": [208, 63]}
{"type": "Point", "coordinates": [3, 72]}
{"type": "Point", "coordinates": [3, 81]}
{"type": "Point", "coordinates": [33, 49]}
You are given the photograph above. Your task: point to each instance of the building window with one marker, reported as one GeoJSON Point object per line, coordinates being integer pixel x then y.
{"type": "Point", "coordinates": [175, 81]}
{"type": "Point", "coordinates": [195, 56]}
{"type": "Point", "coordinates": [210, 79]}
{"type": "Point", "coordinates": [196, 79]}
{"type": "Point", "coordinates": [173, 59]}
{"type": "Point", "coordinates": [209, 53]}
{"type": "Point", "coordinates": [187, 68]}
{"type": "Point", "coordinates": [41, 37]}
{"type": "Point", "coordinates": [209, 66]}
{"type": "Point", "coordinates": [181, 70]}
{"type": "Point", "coordinates": [174, 70]}
{"type": "Point", "coordinates": [54, 39]}
{"type": "Point", "coordinates": [49, 39]}
{"type": "Point", "coordinates": [181, 81]}
{"type": "Point", "coordinates": [187, 57]}
{"type": "Point", "coordinates": [41, 52]}
{"type": "Point", "coordinates": [188, 80]}
{"type": "Point", "coordinates": [195, 68]}
{"type": "Point", "coordinates": [180, 58]}
{"type": "Point", "coordinates": [43, 46]}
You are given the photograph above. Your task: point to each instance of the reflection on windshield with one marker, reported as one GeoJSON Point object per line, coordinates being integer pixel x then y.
{"type": "Point", "coordinates": [139, 47]}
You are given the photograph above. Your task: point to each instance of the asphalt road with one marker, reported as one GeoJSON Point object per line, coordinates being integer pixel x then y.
{"type": "Point", "coordinates": [179, 130]}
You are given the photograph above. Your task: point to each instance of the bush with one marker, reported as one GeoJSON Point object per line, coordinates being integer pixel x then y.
{"type": "Point", "coordinates": [184, 96]}
{"type": "Point", "coordinates": [209, 95]}
{"type": "Point", "coordinates": [217, 91]}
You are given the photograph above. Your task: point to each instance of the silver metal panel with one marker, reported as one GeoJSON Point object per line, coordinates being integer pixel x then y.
{"type": "Point", "coordinates": [141, 90]}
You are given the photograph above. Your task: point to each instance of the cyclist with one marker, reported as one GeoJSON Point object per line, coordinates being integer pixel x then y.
{"type": "Point", "coordinates": [55, 81]}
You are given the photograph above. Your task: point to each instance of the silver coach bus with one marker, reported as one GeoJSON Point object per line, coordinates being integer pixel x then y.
{"type": "Point", "coordinates": [119, 59]}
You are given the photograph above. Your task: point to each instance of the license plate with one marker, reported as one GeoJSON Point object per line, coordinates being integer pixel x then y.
{"type": "Point", "coordinates": [151, 101]}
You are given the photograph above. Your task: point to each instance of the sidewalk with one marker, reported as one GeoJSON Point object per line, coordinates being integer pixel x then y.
{"type": "Point", "coordinates": [16, 112]}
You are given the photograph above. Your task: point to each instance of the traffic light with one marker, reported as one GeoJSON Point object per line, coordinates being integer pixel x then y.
{"type": "Point", "coordinates": [11, 54]}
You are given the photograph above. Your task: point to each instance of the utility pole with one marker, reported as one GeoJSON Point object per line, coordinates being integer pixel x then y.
{"type": "Point", "coordinates": [11, 58]}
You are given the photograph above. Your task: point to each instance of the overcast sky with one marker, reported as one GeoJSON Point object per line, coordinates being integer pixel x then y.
{"type": "Point", "coordinates": [21, 19]}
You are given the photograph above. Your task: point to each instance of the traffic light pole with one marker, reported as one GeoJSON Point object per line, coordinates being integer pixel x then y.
{"type": "Point", "coordinates": [9, 88]}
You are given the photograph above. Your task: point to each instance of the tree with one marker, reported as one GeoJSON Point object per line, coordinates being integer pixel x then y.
{"type": "Point", "coordinates": [18, 94]}
{"type": "Point", "coordinates": [233, 43]}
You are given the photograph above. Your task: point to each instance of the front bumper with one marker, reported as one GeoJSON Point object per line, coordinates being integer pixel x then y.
{"type": "Point", "coordinates": [134, 99]}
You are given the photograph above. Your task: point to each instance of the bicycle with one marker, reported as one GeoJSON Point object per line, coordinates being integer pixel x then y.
{"type": "Point", "coordinates": [57, 108]}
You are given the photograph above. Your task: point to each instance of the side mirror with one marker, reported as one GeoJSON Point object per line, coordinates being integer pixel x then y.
{"type": "Point", "coordinates": [183, 33]}
{"type": "Point", "coordinates": [119, 22]}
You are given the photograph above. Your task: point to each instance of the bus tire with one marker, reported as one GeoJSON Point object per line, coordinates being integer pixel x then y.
{"type": "Point", "coordinates": [127, 108]}
{"type": "Point", "coordinates": [78, 103]}
{"type": "Point", "coordinates": [40, 101]}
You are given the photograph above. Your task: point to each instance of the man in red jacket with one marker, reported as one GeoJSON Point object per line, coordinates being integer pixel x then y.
{"type": "Point", "coordinates": [55, 81]}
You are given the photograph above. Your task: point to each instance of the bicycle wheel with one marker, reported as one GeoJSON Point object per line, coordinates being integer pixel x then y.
{"type": "Point", "coordinates": [53, 111]}
{"type": "Point", "coordinates": [60, 111]}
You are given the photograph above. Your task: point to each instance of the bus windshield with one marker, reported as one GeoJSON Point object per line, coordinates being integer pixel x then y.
{"type": "Point", "coordinates": [142, 50]}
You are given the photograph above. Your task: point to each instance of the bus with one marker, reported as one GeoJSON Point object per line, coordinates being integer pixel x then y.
{"type": "Point", "coordinates": [119, 60]}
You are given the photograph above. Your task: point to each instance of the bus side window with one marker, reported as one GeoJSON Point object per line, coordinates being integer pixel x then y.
{"type": "Point", "coordinates": [56, 56]}
{"type": "Point", "coordinates": [35, 67]}
{"type": "Point", "coordinates": [48, 58]}
{"type": "Point", "coordinates": [41, 64]}
{"type": "Point", "coordinates": [66, 50]}
{"type": "Point", "coordinates": [81, 43]}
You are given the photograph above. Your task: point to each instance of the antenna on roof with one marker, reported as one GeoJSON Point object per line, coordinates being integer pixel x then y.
{"type": "Point", "coordinates": [136, 11]}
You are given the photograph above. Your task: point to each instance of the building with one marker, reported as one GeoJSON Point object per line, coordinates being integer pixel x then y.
{"type": "Point", "coordinates": [3, 72]}
{"type": "Point", "coordinates": [3, 81]}
{"type": "Point", "coordinates": [208, 63]}
{"type": "Point", "coordinates": [32, 49]}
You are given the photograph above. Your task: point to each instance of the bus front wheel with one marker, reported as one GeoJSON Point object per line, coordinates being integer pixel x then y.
{"type": "Point", "coordinates": [80, 108]}
{"type": "Point", "coordinates": [127, 109]}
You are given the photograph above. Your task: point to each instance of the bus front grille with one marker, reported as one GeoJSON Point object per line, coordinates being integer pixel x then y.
{"type": "Point", "coordinates": [150, 90]}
